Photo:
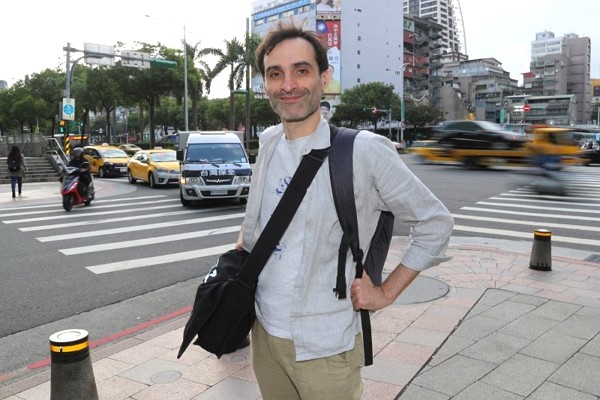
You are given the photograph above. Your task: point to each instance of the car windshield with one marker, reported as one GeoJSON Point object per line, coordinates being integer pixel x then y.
{"type": "Point", "coordinates": [112, 153]}
{"type": "Point", "coordinates": [164, 156]}
{"type": "Point", "coordinates": [219, 153]}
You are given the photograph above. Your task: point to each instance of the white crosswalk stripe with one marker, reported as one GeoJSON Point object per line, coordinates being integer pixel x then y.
{"type": "Point", "coordinates": [573, 218]}
{"type": "Point", "coordinates": [132, 224]}
{"type": "Point", "coordinates": [165, 259]}
{"type": "Point", "coordinates": [149, 241]}
{"type": "Point", "coordinates": [148, 227]}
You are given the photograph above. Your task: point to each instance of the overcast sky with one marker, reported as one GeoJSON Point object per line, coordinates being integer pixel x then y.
{"type": "Point", "coordinates": [33, 33]}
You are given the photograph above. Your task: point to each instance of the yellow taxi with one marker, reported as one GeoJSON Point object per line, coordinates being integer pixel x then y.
{"type": "Point", "coordinates": [106, 160]}
{"type": "Point", "coordinates": [157, 167]}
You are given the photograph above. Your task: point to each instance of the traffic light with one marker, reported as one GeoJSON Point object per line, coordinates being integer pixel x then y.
{"type": "Point", "coordinates": [62, 126]}
{"type": "Point", "coordinates": [374, 110]}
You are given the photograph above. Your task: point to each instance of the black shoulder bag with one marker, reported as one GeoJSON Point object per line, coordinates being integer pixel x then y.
{"type": "Point", "coordinates": [223, 311]}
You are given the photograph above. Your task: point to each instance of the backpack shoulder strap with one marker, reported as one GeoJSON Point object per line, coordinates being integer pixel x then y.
{"type": "Point", "coordinates": [342, 185]}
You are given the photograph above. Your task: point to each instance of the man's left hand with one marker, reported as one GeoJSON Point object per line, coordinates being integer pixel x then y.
{"type": "Point", "coordinates": [366, 296]}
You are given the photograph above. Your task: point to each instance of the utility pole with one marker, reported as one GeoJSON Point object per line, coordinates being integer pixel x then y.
{"type": "Point", "coordinates": [68, 71]}
{"type": "Point", "coordinates": [185, 82]}
{"type": "Point", "coordinates": [247, 124]}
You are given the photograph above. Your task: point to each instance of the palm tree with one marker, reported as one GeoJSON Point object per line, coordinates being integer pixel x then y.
{"type": "Point", "coordinates": [251, 43]}
{"type": "Point", "coordinates": [202, 79]}
{"type": "Point", "coordinates": [233, 58]}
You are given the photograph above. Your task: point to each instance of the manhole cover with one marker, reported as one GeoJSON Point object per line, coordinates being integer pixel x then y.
{"type": "Point", "coordinates": [165, 376]}
{"type": "Point", "coordinates": [423, 289]}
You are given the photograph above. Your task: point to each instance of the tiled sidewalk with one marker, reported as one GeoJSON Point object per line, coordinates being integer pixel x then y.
{"type": "Point", "coordinates": [412, 342]}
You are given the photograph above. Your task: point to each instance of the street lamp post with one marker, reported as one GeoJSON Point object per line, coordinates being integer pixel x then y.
{"type": "Point", "coordinates": [185, 82]}
{"type": "Point", "coordinates": [234, 92]}
{"type": "Point", "coordinates": [185, 76]}
{"type": "Point", "coordinates": [248, 130]}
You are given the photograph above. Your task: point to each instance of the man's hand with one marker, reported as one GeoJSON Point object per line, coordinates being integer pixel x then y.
{"type": "Point", "coordinates": [366, 296]}
{"type": "Point", "coordinates": [238, 244]}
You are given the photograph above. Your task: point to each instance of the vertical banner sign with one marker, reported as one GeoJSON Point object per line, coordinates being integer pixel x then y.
{"type": "Point", "coordinates": [68, 109]}
{"type": "Point", "coordinates": [330, 30]}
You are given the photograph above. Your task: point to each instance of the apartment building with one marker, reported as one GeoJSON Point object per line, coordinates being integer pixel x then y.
{"type": "Point", "coordinates": [561, 65]}
{"type": "Point", "coordinates": [447, 14]}
{"type": "Point", "coordinates": [365, 39]}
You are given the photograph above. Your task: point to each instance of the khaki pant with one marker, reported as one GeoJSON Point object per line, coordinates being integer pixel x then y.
{"type": "Point", "coordinates": [280, 377]}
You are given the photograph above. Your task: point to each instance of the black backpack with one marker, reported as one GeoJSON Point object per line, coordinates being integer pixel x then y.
{"type": "Point", "coordinates": [340, 166]}
{"type": "Point", "coordinates": [14, 165]}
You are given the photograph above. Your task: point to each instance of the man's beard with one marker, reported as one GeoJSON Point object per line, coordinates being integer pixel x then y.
{"type": "Point", "coordinates": [298, 111]}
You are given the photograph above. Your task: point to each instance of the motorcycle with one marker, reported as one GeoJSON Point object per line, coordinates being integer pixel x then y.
{"type": "Point", "coordinates": [72, 192]}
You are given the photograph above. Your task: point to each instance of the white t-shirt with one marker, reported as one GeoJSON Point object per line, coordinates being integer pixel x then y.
{"type": "Point", "coordinates": [276, 282]}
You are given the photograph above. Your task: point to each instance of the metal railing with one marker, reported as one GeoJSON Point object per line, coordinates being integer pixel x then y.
{"type": "Point", "coordinates": [58, 157]}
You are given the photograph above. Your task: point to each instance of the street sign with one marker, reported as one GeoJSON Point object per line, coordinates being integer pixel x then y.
{"type": "Point", "coordinates": [68, 109]}
{"type": "Point", "coordinates": [136, 59]}
{"type": "Point", "coordinates": [526, 108]}
{"type": "Point", "coordinates": [99, 54]}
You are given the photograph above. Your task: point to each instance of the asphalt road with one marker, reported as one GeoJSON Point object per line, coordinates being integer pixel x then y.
{"type": "Point", "coordinates": [136, 255]}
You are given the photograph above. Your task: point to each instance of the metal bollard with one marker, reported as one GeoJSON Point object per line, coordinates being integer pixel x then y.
{"type": "Point", "coordinates": [541, 252]}
{"type": "Point", "coordinates": [71, 375]}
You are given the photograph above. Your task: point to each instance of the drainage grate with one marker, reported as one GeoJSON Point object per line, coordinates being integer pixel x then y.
{"type": "Point", "coordinates": [593, 258]}
{"type": "Point", "coordinates": [423, 289]}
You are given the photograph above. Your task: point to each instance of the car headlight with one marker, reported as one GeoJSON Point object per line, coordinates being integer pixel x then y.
{"type": "Point", "coordinates": [241, 179]}
{"type": "Point", "coordinates": [108, 164]}
{"type": "Point", "coordinates": [161, 170]}
{"type": "Point", "coordinates": [192, 180]}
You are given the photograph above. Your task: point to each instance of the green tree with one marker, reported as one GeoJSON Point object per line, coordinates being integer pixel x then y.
{"type": "Point", "coordinates": [234, 60]}
{"type": "Point", "coordinates": [356, 105]}
{"type": "Point", "coordinates": [84, 98]}
{"type": "Point", "coordinates": [151, 84]}
{"type": "Point", "coordinates": [423, 114]}
{"type": "Point", "coordinates": [263, 115]}
{"type": "Point", "coordinates": [7, 122]}
{"type": "Point", "coordinates": [48, 86]}
{"type": "Point", "coordinates": [107, 94]}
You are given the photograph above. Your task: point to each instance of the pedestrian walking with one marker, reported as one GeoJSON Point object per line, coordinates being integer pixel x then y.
{"type": "Point", "coordinates": [17, 166]}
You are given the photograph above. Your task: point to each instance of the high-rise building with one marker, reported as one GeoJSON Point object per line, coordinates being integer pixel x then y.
{"type": "Point", "coordinates": [365, 39]}
{"type": "Point", "coordinates": [444, 13]}
{"type": "Point", "coordinates": [559, 66]}
{"type": "Point", "coordinates": [422, 59]}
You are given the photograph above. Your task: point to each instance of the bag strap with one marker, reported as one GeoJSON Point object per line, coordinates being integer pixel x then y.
{"type": "Point", "coordinates": [342, 186]}
{"type": "Point", "coordinates": [282, 216]}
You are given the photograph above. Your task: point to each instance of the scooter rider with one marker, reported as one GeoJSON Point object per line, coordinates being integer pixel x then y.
{"type": "Point", "coordinates": [84, 177]}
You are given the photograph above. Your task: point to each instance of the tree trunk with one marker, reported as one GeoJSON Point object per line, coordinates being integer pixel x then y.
{"type": "Point", "coordinates": [194, 98]}
{"type": "Point", "coordinates": [231, 112]}
{"type": "Point", "coordinates": [151, 112]}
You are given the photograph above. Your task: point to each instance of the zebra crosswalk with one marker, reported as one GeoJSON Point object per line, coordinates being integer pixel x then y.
{"type": "Point", "coordinates": [125, 233]}
{"type": "Point", "coordinates": [131, 224]}
{"type": "Point", "coordinates": [572, 218]}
